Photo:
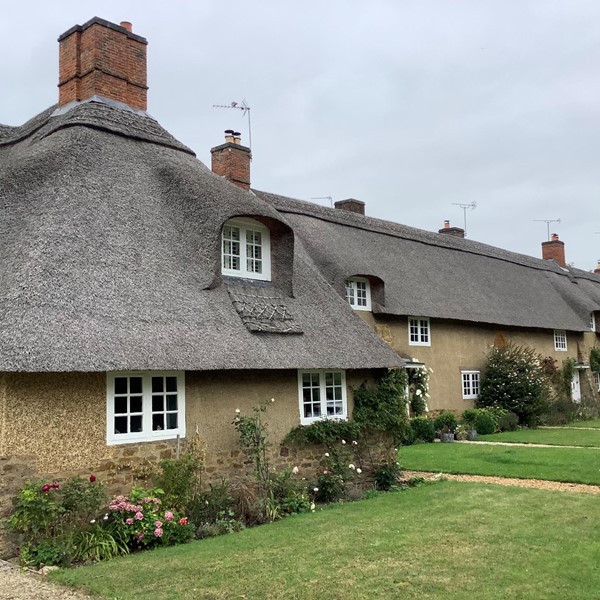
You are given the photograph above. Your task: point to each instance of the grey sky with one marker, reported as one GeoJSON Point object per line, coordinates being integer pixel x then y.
{"type": "Point", "coordinates": [408, 106]}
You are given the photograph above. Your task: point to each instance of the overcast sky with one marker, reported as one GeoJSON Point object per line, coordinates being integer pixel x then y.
{"type": "Point", "coordinates": [409, 106]}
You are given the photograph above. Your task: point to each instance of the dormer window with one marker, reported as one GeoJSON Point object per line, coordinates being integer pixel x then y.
{"type": "Point", "coordinates": [358, 293]}
{"type": "Point", "coordinates": [246, 249]}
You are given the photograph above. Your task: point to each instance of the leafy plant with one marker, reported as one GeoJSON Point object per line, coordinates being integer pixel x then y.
{"type": "Point", "coordinates": [595, 359]}
{"type": "Point", "coordinates": [326, 433]}
{"type": "Point", "coordinates": [515, 380]}
{"type": "Point", "coordinates": [423, 429]}
{"type": "Point", "coordinates": [445, 422]}
{"type": "Point", "coordinates": [418, 380]}
{"type": "Point", "coordinates": [484, 423]}
{"type": "Point", "coordinates": [386, 475]}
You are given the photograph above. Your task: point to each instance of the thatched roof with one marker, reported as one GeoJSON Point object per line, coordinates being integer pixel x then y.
{"type": "Point", "coordinates": [435, 275]}
{"type": "Point", "coordinates": [110, 260]}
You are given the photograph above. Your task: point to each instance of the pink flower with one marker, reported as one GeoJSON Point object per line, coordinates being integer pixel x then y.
{"type": "Point", "coordinates": [183, 521]}
{"type": "Point", "coordinates": [158, 532]}
{"type": "Point", "coordinates": [140, 535]}
{"type": "Point", "coordinates": [129, 521]}
{"type": "Point", "coordinates": [55, 485]}
{"type": "Point", "coordinates": [46, 488]}
{"type": "Point", "coordinates": [158, 524]}
{"type": "Point", "coordinates": [155, 500]}
{"type": "Point", "coordinates": [92, 478]}
{"type": "Point", "coordinates": [146, 500]}
{"type": "Point", "coordinates": [138, 516]}
{"type": "Point", "coordinates": [169, 516]}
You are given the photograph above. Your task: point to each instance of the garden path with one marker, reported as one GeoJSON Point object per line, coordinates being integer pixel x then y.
{"type": "Point", "coordinates": [525, 444]}
{"type": "Point", "coordinates": [16, 585]}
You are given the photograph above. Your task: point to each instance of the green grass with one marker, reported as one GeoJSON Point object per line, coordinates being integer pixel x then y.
{"type": "Point", "coordinates": [446, 540]}
{"type": "Point", "coordinates": [577, 465]}
{"type": "Point", "coordinates": [559, 437]}
{"type": "Point", "coordinates": [594, 423]}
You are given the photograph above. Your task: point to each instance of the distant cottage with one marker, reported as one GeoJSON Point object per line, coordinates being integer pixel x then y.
{"type": "Point", "coordinates": [145, 297]}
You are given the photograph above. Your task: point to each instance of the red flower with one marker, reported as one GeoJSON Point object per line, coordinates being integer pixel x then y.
{"type": "Point", "coordinates": [92, 478]}
{"type": "Point", "coordinates": [46, 488]}
{"type": "Point", "coordinates": [183, 521]}
{"type": "Point", "coordinates": [55, 485]}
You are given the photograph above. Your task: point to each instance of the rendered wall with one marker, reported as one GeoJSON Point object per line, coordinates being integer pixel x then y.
{"type": "Point", "coordinates": [457, 346]}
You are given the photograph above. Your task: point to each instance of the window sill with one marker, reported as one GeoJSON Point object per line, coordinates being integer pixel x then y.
{"type": "Point", "coordinates": [140, 439]}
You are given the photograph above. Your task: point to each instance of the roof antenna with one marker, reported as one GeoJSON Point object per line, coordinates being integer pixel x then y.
{"type": "Point", "coordinates": [466, 207]}
{"type": "Point", "coordinates": [330, 198]}
{"type": "Point", "coordinates": [245, 111]}
{"type": "Point", "coordinates": [547, 221]}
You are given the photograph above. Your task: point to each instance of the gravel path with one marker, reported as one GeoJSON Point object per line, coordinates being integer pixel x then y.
{"type": "Point", "coordinates": [539, 484]}
{"type": "Point", "coordinates": [16, 585]}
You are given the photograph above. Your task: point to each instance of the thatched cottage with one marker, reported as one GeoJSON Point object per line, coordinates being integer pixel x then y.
{"type": "Point", "coordinates": [145, 296]}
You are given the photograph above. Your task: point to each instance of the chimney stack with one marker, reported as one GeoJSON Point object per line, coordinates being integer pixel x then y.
{"type": "Point", "coordinates": [597, 269]}
{"type": "Point", "coordinates": [232, 160]}
{"type": "Point", "coordinates": [453, 231]}
{"type": "Point", "coordinates": [351, 205]}
{"type": "Point", "coordinates": [554, 250]}
{"type": "Point", "coordinates": [100, 58]}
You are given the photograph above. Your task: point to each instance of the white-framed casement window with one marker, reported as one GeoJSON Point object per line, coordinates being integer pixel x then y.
{"type": "Point", "coordinates": [560, 340]}
{"type": "Point", "coordinates": [419, 333]}
{"type": "Point", "coordinates": [358, 293]}
{"type": "Point", "coordinates": [143, 406]}
{"type": "Point", "coordinates": [246, 249]}
{"type": "Point", "coordinates": [597, 380]}
{"type": "Point", "coordinates": [322, 395]}
{"type": "Point", "coordinates": [592, 322]}
{"type": "Point", "coordinates": [470, 384]}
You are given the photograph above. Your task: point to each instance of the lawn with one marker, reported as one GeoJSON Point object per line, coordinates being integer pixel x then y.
{"type": "Point", "coordinates": [444, 540]}
{"type": "Point", "coordinates": [595, 424]}
{"type": "Point", "coordinates": [559, 437]}
{"type": "Point", "coordinates": [577, 465]}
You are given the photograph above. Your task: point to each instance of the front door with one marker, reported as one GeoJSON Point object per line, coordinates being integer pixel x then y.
{"type": "Point", "coordinates": [575, 387]}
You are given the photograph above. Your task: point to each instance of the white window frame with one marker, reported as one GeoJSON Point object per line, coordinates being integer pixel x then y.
{"type": "Point", "coordinates": [560, 340]}
{"type": "Point", "coordinates": [244, 226]}
{"type": "Point", "coordinates": [593, 322]}
{"type": "Point", "coordinates": [423, 331]}
{"type": "Point", "coordinates": [353, 286]}
{"type": "Point", "coordinates": [597, 379]}
{"type": "Point", "coordinates": [322, 395]}
{"type": "Point", "coordinates": [471, 384]}
{"type": "Point", "coordinates": [146, 435]}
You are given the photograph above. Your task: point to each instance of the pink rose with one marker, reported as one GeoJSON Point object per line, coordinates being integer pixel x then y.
{"type": "Point", "coordinates": [169, 516]}
{"type": "Point", "coordinates": [139, 516]}
{"type": "Point", "coordinates": [129, 521]}
{"type": "Point", "coordinates": [158, 532]}
{"type": "Point", "coordinates": [46, 488]}
{"type": "Point", "coordinates": [157, 524]}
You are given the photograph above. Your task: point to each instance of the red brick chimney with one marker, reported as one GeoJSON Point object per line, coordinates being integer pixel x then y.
{"type": "Point", "coordinates": [100, 58]}
{"type": "Point", "coordinates": [597, 269]}
{"type": "Point", "coordinates": [455, 231]}
{"type": "Point", "coordinates": [232, 160]}
{"type": "Point", "coordinates": [554, 250]}
{"type": "Point", "coordinates": [351, 205]}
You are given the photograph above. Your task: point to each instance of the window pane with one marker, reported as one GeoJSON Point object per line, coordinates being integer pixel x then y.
{"type": "Point", "coordinates": [314, 378]}
{"type": "Point", "coordinates": [135, 404]}
{"type": "Point", "coordinates": [328, 379]}
{"type": "Point", "coordinates": [121, 404]}
{"type": "Point", "coordinates": [171, 402]}
{"type": "Point", "coordinates": [120, 385]}
{"type": "Point", "coordinates": [136, 424]}
{"type": "Point", "coordinates": [157, 385]}
{"type": "Point", "coordinates": [135, 385]}
{"type": "Point", "coordinates": [120, 424]}
{"type": "Point", "coordinates": [172, 421]}
{"type": "Point", "coordinates": [329, 393]}
{"type": "Point", "coordinates": [158, 422]}
{"type": "Point", "coordinates": [306, 379]}
{"type": "Point", "coordinates": [337, 378]}
{"type": "Point", "coordinates": [158, 403]}
{"type": "Point", "coordinates": [171, 384]}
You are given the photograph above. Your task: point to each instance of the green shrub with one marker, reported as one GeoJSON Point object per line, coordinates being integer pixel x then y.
{"type": "Point", "coordinates": [386, 475]}
{"type": "Point", "coordinates": [326, 432]}
{"type": "Point", "coordinates": [507, 422]}
{"type": "Point", "coordinates": [484, 423]}
{"type": "Point", "coordinates": [423, 429]}
{"type": "Point", "coordinates": [179, 480]}
{"type": "Point", "coordinates": [445, 421]}
{"type": "Point", "coordinates": [515, 380]}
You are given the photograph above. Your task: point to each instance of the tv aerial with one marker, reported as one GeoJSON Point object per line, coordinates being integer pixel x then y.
{"type": "Point", "coordinates": [243, 106]}
{"type": "Point", "coordinates": [465, 208]}
{"type": "Point", "coordinates": [547, 221]}
{"type": "Point", "coordinates": [330, 198]}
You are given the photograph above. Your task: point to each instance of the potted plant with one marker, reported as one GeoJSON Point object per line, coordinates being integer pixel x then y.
{"type": "Point", "coordinates": [445, 424]}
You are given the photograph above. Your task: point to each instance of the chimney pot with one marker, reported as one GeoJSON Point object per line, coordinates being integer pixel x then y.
{"type": "Point", "coordinates": [453, 231]}
{"type": "Point", "coordinates": [100, 58]}
{"type": "Point", "coordinates": [554, 237]}
{"type": "Point", "coordinates": [446, 224]}
{"type": "Point", "coordinates": [597, 269]}
{"type": "Point", "coordinates": [127, 25]}
{"type": "Point", "coordinates": [351, 205]}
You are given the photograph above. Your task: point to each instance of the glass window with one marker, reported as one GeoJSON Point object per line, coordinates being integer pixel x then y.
{"type": "Point", "coordinates": [560, 340]}
{"type": "Point", "coordinates": [358, 293]}
{"type": "Point", "coordinates": [322, 395]}
{"type": "Point", "coordinates": [246, 249]}
{"type": "Point", "coordinates": [418, 332]}
{"type": "Point", "coordinates": [470, 384]}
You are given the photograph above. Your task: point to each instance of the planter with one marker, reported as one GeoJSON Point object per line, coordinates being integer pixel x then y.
{"type": "Point", "coordinates": [471, 435]}
{"type": "Point", "coordinates": [446, 438]}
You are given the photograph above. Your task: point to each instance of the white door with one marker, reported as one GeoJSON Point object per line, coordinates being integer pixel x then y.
{"type": "Point", "coordinates": [575, 387]}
